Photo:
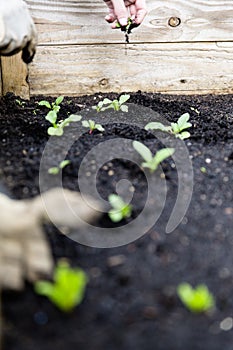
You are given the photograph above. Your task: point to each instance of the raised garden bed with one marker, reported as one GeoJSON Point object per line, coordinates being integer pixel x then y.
{"type": "Point", "coordinates": [131, 300]}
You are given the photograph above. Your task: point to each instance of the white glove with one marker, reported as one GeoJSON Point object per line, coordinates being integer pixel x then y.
{"type": "Point", "coordinates": [24, 250]}
{"type": "Point", "coordinates": [17, 30]}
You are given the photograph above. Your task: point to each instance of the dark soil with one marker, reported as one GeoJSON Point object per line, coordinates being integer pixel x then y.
{"type": "Point", "coordinates": [131, 302]}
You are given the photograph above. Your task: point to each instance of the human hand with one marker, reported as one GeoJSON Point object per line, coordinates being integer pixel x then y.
{"type": "Point", "coordinates": [17, 30]}
{"type": "Point", "coordinates": [121, 10]}
{"type": "Point", "coordinates": [24, 250]}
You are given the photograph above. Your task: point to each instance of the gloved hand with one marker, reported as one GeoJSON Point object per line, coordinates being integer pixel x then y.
{"type": "Point", "coordinates": [17, 30]}
{"type": "Point", "coordinates": [24, 250]}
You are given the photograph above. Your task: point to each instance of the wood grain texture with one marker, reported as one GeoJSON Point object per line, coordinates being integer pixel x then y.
{"type": "Point", "coordinates": [14, 76]}
{"type": "Point", "coordinates": [168, 68]}
{"type": "Point", "coordinates": [79, 53]}
{"type": "Point", "coordinates": [82, 22]}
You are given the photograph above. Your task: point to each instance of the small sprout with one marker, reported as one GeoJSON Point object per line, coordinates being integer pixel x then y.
{"type": "Point", "coordinates": [20, 103]}
{"type": "Point", "coordinates": [197, 299]}
{"type": "Point", "coordinates": [57, 128]}
{"type": "Point", "coordinates": [203, 170]}
{"type": "Point", "coordinates": [178, 129]}
{"type": "Point", "coordinates": [69, 102]}
{"type": "Point", "coordinates": [195, 110]}
{"type": "Point", "coordinates": [56, 170]}
{"type": "Point", "coordinates": [92, 126]}
{"type": "Point", "coordinates": [68, 288]}
{"type": "Point", "coordinates": [120, 210]}
{"type": "Point", "coordinates": [54, 106]}
{"type": "Point", "coordinates": [117, 105]}
{"type": "Point", "coordinates": [150, 161]}
{"type": "Point", "coordinates": [127, 29]}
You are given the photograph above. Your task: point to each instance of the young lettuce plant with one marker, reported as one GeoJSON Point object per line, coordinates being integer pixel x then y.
{"type": "Point", "coordinates": [152, 161]}
{"type": "Point", "coordinates": [56, 170]}
{"type": "Point", "coordinates": [120, 210]}
{"type": "Point", "coordinates": [92, 126]}
{"type": "Point", "coordinates": [57, 127]}
{"type": "Point", "coordinates": [117, 105]}
{"type": "Point", "coordinates": [68, 288]}
{"type": "Point", "coordinates": [196, 300]}
{"type": "Point", "coordinates": [178, 129]}
{"type": "Point", "coordinates": [54, 107]}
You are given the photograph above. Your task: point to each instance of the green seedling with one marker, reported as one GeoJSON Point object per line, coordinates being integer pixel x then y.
{"type": "Point", "coordinates": [20, 103]}
{"type": "Point", "coordinates": [196, 300]}
{"type": "Point", "coordinates": [57, 127]}
{"type": "Point", "coordinates": [54, 106]}
{"type": "Point", "coordinates": [203, 170]}
{"type": "Point", "coordinates": [152, 161]}
{"type": "Point", "coordinates": [178, 129]}
{"type": "Point", "coordinates": [92, 126]}
{"type": "Point", "coordinates": [120, 210]}
{"type": "Point", "coordinates": [195, 110]}
{"type": "Point", "coordinates": [117, 105]}
{"type": "Point", "coordinates": [68, 288]}
{"type": "Point", "coordinates": [127, 29]}
{"type": "Point", "coordinates": [56, 170]}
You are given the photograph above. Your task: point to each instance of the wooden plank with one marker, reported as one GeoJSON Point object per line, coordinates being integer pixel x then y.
{"type": "Point", "coordinates": [82, 22]}
{"type": "Point", "coordinates": [14, 76]}
{"type": "Point", "coordinates": [168, 68]}
{"type": "Point", "coordinates": [0, 80]}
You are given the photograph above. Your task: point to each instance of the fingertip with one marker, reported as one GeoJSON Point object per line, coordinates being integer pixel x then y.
{"type": "Point", "coordinates": [123, 21]}
{"type": "Point", "coordinates": [109, 18]}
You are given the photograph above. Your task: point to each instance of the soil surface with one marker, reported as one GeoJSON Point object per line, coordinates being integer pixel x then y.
{"type": "Point", "coordinates": [131, 301]}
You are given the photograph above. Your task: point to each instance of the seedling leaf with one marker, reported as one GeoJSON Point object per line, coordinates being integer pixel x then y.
{"type": "Point", "coordinates": [143, 151]}
{"type": "Point", "coordinates": [124, 108]}
{"type": "Point", "coordinates": [183, 135]}
{"type": "Point", "coordinates": [45, 103]}
{"type": "Point", "coordinates": [116, 201]}
{"type": "Point", "coordinates": [197, 299]}
{"type": "Point", "coordinates": [85, 124]}
{"type": "Point", "coordinates": [99, 127]}
{"type": "Point", "coordinates": [54, 170]}
{"type": "Point", "coordinates": [64, 163]}
{"type": "Point", "coordinates": [162, 154]}
{"type": "Point", "coordinates": [68, 288]}
{"type": "Point", "coordinates": [115, 215]}
{"type": "Point", "coordinates": [120, 210]}
{"type": "Point", "coordinates": [51, 117]}
{"type": "Point", "coordinates": [157, 126]}
{"type": "Point", "coordinates": [59, 100]}
{"type": "Point", "coordinates": [74, 118]}
{"type": "Point", "coordinates": [55, 131]}
{"type": "Point", "coordinates": [183, 122]}
{"type": "Point", "coordinates": [123, 99]}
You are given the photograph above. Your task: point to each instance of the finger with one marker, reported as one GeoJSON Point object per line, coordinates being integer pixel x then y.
{"type": "Point", "coordinates": [132, 11]}
{"type": "Point", "coordinates": [141, 11]}
{"type": "Point", "coordinates": [110, 17]}
{"type": "Point", "coordinates": [120, 11]}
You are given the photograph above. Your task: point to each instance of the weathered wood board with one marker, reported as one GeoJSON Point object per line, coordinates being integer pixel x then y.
{"type": "Point", "coordinates": [174, 68]}
{"type": "Point", "coordinates": [78, 53]}
{"type": "Point", "coordinates": [82, 22]}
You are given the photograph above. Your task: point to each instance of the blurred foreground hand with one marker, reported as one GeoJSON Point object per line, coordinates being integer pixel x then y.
{"type": "Point", "coordinates": [24, 250]}
{"type": "Point", "coordinates": [17, 30]}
